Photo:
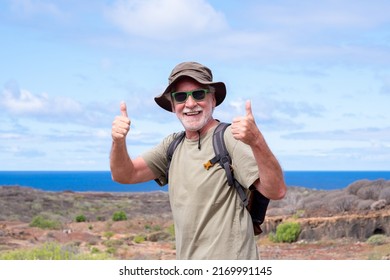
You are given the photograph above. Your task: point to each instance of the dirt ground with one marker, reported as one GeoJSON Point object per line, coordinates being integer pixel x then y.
{"type": "Point", "coordinates": [146, 233]}
{"type": "Point", "coordinates": [14, 235]}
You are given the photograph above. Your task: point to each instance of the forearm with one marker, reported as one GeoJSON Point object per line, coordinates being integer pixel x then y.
{"type": "Point", "coordinates": [124, 169]}
{"type": "Point", "coordinates": [271, 183]}
{"type": "Point", "coordinates": [120, 163]}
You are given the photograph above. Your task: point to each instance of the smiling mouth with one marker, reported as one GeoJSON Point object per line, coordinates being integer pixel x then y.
{"type": "Point", "coordinates": [192, 113]}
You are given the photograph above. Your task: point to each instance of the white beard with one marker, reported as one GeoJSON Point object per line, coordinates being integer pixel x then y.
{"type": "Point", "coordinates": [195, 123]}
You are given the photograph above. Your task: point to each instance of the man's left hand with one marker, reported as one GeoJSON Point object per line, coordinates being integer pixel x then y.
{"type": "Point", "coordinates": [244, 128]}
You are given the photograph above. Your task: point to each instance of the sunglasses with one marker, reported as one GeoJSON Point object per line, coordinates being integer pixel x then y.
{"type": "Point", "coordinates": [182, 96]}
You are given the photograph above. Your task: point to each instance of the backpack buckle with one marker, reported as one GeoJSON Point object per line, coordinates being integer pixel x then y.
{"type": "Point", "coordinates": [207, 165]}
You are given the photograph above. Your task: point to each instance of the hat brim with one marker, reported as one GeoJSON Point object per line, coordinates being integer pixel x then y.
{"type": "Point", "coordinates": [165, 103]}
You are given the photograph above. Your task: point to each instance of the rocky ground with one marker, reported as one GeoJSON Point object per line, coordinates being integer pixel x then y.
{"type": "Point", "coordinates": [147, 232]}
{"type": "Point", "coordinates": [91, 235]}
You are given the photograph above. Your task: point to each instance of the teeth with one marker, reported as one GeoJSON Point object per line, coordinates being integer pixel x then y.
{"type": "Point", "coordinates": [192, 113]}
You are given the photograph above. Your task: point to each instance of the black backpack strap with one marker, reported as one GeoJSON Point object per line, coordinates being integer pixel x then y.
{"type": "Point", "coordinates": [171, 149]}
{"type": "Point", "coordinates": [222, 156]}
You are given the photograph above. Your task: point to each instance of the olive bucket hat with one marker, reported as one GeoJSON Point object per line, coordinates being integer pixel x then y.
{"type": "Point", "coordinates": [196, 71]}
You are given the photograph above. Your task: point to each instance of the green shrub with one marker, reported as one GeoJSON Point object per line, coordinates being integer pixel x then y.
{"type": "Point", "coordinates": [377, 239]}
{"type": "Point", "coordinates": [50, 251]}
{"type": "Point", "coordinates": [111, 250]}
{"type": "Point", "coordinates": [119, 216]}
{"type": "Point", "coordinates": [287, 232]}
{"type": "Point", "coordinates": [112, 243]}
{"type": "Point", "coordinates": [156, 228]}
{"type": "Point", "coordinates": [81, 219]}
{"type": "Point", "coordinates": [148, 227]}
{"type": "Point", "coordinates": [152, 228]}
{"type": "Point", "coordinates": [139, 239]}
{"type": "Point", "coordinates": [95, 250]}
{"type": "Point", "coordinates": [47, 251]}
{"type": "Point", "coordinates": [44, 223]}
{"type": "Point", "coordinates": [108, 234]}
{"type": "Point", "coordinates": [171, 231]}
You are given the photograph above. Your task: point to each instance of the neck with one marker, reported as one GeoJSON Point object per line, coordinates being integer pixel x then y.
{"type": "Point", "coordinates": [193, 135]}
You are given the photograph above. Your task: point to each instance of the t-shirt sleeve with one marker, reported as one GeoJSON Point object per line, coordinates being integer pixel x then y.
{"type": "Point", "coordinates": [157, 161]}
{"type": "Point", "coordinates": [243, 161]}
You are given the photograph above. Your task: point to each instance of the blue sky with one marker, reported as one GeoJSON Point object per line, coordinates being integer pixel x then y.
{"type": "Point", "coordinates": [317, 73]}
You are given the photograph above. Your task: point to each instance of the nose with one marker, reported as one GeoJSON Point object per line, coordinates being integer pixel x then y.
{"type": "Point", "coordinates": [190, 102]}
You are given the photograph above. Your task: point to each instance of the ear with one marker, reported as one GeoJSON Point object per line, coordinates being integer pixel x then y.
{"type": "Point", "coordinates": [173, 107]}
{"type": "Point", "coordinates": [214, 100]}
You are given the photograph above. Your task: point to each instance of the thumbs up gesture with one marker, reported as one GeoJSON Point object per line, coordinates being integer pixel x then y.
{"type": "Point", "coordinates": [244, 128]}
{"type": "Point", "coordinates": [121, 124]}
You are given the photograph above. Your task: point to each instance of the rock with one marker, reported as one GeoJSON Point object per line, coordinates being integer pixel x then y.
{"type": "Point", "coordinates": [354, 226]}
{"type": "Point", "coordinates": [377, 205]}
{"type": "Point", "coordinates": [159, 236]}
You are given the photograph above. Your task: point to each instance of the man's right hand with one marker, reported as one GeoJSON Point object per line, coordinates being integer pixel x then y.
{"type": "Point", "coordinates": [120, 125]}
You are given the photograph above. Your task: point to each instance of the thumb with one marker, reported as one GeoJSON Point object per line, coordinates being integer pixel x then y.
{"type": "Point", "coordinates": [248, 109]}
{"type": "Point", "coordinates": [123, 109]}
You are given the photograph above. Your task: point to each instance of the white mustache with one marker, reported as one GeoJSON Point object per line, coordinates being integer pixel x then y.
{"type": "Point", "coordinates": [194, 110]}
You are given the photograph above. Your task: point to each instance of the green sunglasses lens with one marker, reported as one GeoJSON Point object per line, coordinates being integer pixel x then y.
{"type": "Point", "coordinates": [182, 96]}
{"type": "Point", "coordinates": [199, 94]}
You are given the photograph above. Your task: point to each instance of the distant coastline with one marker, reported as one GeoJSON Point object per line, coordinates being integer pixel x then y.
{"type": "Point", "coordinates": [100, 181]}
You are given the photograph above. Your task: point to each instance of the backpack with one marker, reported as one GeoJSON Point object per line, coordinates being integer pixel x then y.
{"type": "Point", "coordinates": [256, 203]}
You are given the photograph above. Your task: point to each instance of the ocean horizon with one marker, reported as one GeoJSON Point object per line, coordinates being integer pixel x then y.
{"type": "Point", "coordinates": [100, 181]}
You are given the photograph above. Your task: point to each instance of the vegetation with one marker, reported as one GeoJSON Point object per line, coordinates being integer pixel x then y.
{"type": "Point", "coordinates": [361, 195]}
{"type": "Point", "coordinates": [81, 219]}
{"type": "Point", "coordinates": [139, 239]}
{"type": "Point", "coordinates": [150, 221]}
{"type": "Point", "coordinates": [171, 231]}
{"type": "Point", "coordinates": [44, 223]}
{"type": "Point", "coordinates": [286, 232]}
{"type": "Point", "coordinates": [108, 234]}
{"type": "Point", "coordinates": [51, 251]}
{"type": "Point", "coordinates": [119, 216]}
{"type": "Point", "coordinates": [378, 239]}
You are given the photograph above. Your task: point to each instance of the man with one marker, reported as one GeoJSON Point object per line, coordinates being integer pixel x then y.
{"type": "Point", "coordinates": [210, 220]}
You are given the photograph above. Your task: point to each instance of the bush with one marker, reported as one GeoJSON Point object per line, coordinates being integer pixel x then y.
{"type": "Point", "coordinates": [342, 203]}
{"type": "Point", "coordinates": [47, 251]}
{"type": "Point", "coordinates": [364, 204]}
{"type": "Point", "coordinates": [377, 239]}
{"type": "Point", "coordinates": [385, 194]}
{"type": "Point", "coordinates": [108, 234]}
{"type": "Point", "coordinates": [41, 222]}
{"type": "Point", "coordinates": [171, 231]}
{"type": "Point", "coordinates": [119, 216]}
{"type": "Point", "coordinates": [357, 185]}
{"type": "Point", "coordinates": [50, 251]}
{"type": "Point", "coordinates": [81, 219]}
{"type": "Point", "coordinates": [95, 250]}
{"type": "Point", "coordinates": [287, 232]}
{"type": "Point", "coordinates": [113, 243]}
{"type": "Point", "coordinates": [369, 192]}
{"type": "Point", "coordinates": [139, 239]}
{"type": "Point", "coordinates": [152, 228]}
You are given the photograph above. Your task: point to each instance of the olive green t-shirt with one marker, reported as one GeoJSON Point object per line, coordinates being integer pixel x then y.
{"type": "Point", "coordinates": [210, 220]}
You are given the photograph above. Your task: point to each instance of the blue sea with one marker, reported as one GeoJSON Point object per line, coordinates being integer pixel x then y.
{"type": "Point", "coordinates": [100, 181]}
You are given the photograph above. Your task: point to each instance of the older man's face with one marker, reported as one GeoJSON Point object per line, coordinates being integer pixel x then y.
{"type": "Point", "coordinates": [193, 114]}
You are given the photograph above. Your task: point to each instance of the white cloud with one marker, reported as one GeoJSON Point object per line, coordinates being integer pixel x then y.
{"type": "Point", "coordinates": [24, 102]}
{"type": "Point", "coordinates": [9, 136]}
{"type": "Point", "coordinates": [271, 114]}
{"type": "Point", "coordinates": [27, 8]}
{"type": "Point", "coordinates": [369, 134]}
{"type": "Point", "coordinates": [166, 19]}
{"type": "Point", "coordinates": [324, 14]}
{"type": "Point", "coordinates": [317, 75]}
